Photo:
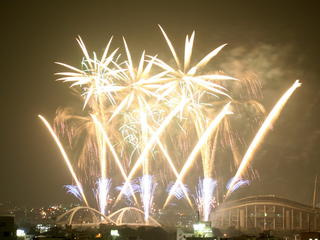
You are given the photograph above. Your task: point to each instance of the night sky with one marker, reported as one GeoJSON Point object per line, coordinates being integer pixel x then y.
{"type": "Point", "coordinates": [279, 42]}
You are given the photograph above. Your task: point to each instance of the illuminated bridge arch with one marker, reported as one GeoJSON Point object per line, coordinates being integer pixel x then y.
{"type": "Point", "coordinates": [83, 216]}
{"type": "Point", "coordinates": [131, 216]}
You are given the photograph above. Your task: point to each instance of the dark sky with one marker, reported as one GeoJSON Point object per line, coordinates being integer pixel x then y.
{"type": "Point", "coordinates": [277, 41]}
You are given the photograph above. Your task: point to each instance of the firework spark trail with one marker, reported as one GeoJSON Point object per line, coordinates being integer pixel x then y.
{"type": "Point", "coordinates": [115, 155]}
{"type": "Point", "coordinates": [204, 194]}
{"type": "Point", "coordinates": [95, 76]}
{"type": "Point", "coordinates": [150, 143]}
{"type": "Point", "coordinates": [113, 90]}
{"type": "Point", "coordinates": [134, 86]}
{"type": "Point", "coordinates": [179, 191]}
{"type": "Point", "coordinates": [102, 193]}
{"type": "Point", "coordinates": [167, 156]}
{"type": "Point", "coordinates": [209, 185]}
{"type": "Point", "coordinates": [237, 184]}
{"type": "Point", "coordinates": [184, 80]}
{"type": "Point", "coordinates": [207, 148]}
{"type": "Point", "coordinates": [74, 190]}
{"type": "Point", "coordinates": [138, 84]}
{"type": "Point", "coordinates": [65, 157]}
{"type": "Point", "coordinates": [213, 125]}
{"type": "Point", "coordinates": [147, 188]}
{"type": "Point", "coordinates": [262, 132]}
{"type": "Point", "coordinates": [144, 132]}
{"type": "Point", "coordinates": [128, 192]}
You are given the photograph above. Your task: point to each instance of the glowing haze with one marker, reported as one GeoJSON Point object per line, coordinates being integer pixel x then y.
{"type": "Point", "coordinates": [142, 122]}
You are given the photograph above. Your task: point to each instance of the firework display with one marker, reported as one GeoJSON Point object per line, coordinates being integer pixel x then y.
{"type": "Point", "coordinates": [143, 127]}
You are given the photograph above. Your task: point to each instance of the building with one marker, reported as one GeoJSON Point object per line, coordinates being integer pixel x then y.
{"type": "Point", "coordinates": [261, 213]}
{"type": "Point", "coordinates": [7, 228]}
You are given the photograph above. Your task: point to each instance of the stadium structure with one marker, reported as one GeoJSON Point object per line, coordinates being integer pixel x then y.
{"type": "Point", "coordinates": [266, 212]}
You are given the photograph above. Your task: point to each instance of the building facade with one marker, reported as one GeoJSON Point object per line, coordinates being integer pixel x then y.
{"type": "Point", "coordinates": [262, 213]}
{"type": "Point", "coordinates": [7, 228]}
